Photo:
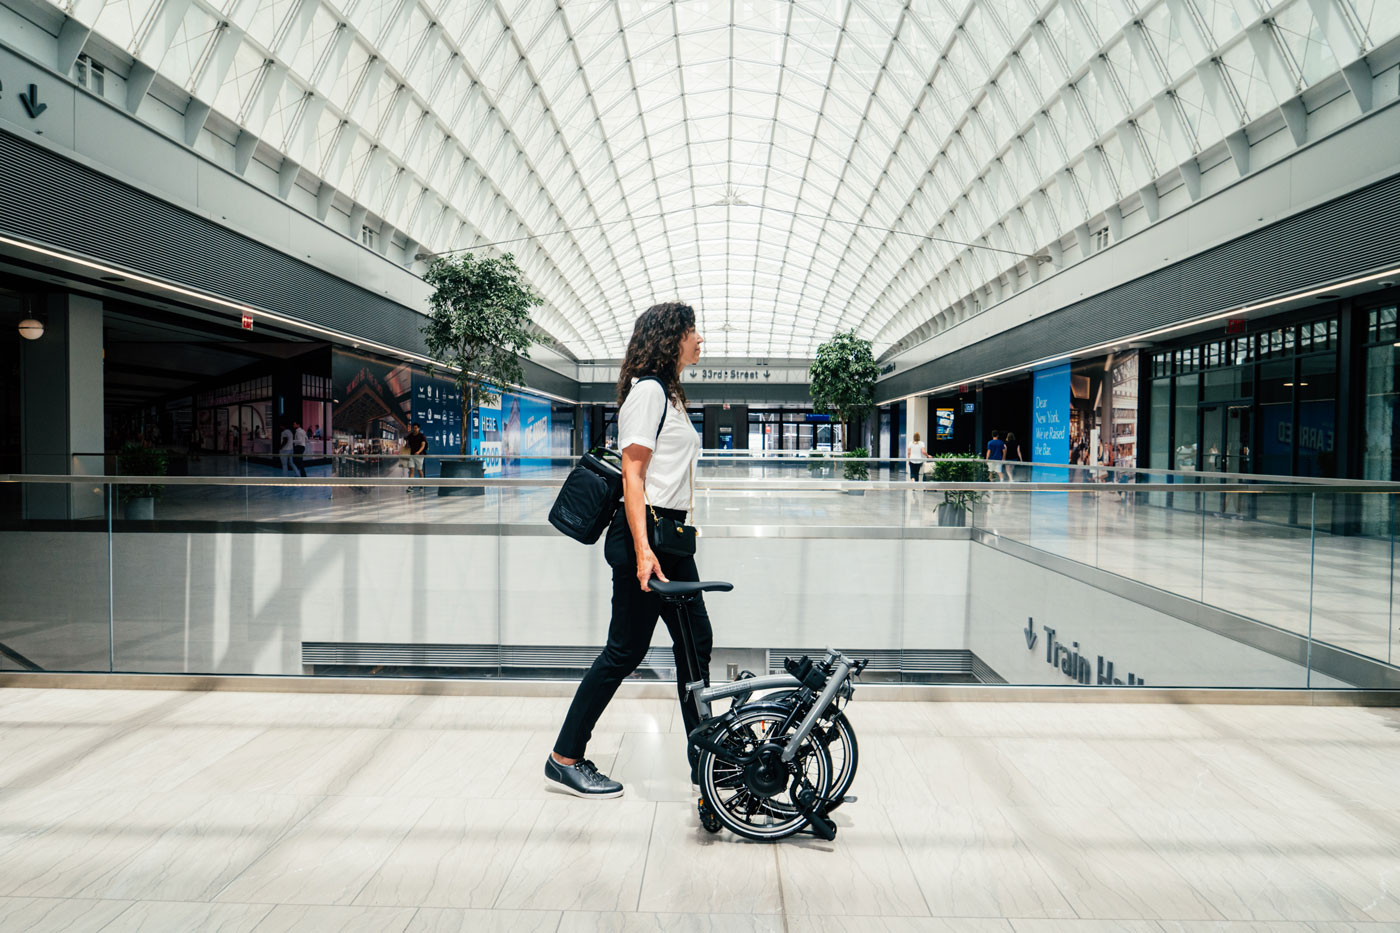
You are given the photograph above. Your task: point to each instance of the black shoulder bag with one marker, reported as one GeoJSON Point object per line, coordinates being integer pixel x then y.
{"type": "Point", "coordinates": [591, 492]}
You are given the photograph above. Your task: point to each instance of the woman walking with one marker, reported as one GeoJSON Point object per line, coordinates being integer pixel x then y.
{"type": "Point", "coordinates": [1013, 454]}
{"type": "Point", "coordinates": [659, 449]}
{"type": "Point", "coordinates": [916, 455]}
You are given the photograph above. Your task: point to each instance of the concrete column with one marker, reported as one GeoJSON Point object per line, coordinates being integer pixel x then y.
{"type": "Point", "coordinates": [918, 421]}
{"type": "Point", "coordinates": [61, 407]}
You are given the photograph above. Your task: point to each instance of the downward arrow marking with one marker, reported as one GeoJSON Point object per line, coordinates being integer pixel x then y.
{"type": "Point", "coordinates": [31, 102]}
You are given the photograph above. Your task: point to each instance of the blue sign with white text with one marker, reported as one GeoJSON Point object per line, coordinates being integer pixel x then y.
{"type": "Point", "coordinates": [1050, 405]}
{"type": "Point", "coordinates": [1050, 416]}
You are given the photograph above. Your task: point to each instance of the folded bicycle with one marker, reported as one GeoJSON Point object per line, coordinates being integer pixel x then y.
{"type": "Point", "coordinates": [775, 765]}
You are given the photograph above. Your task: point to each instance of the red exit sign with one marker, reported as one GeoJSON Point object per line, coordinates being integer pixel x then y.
{"type": "Point", "coordinates": [247, 321]}
{"type": "Point", "coordinates": [1235, 325]}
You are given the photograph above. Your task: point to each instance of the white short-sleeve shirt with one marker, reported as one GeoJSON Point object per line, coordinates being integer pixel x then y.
{"type": "Point", "coordinates": [672, 454]}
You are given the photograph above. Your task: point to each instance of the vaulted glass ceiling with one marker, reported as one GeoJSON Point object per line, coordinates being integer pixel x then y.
{"type": "Point", "coordinates": [792, 167]}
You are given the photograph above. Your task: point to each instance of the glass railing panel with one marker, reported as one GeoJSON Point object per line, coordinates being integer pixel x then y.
{"type": "Point", "coordinates": [1177, 584]}
{"type": "Point", "coordinates": [1350, 597]}
{"type": "Point", "coordinates": [1390, 527]}
{"type": "Point", "coordinates": [304, 576]}
{"type": "Point", "coordinates": [1154, 545]}
{"type": "Point", "coordinates": [54, 576]}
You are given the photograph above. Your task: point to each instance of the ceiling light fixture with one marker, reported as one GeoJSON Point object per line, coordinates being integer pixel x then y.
{"type": "Point", "coordinates": [31, 329]}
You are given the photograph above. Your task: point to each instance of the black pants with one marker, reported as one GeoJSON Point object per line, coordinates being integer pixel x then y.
{"type": "Point", "coordinates": [297, 451]}
{"type": "Point", "coordinates": [634, 615]}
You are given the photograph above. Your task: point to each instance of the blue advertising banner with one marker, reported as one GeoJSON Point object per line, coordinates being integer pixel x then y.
{"type": "Point", "coordinates": [525, 440]}
{"type": "Point", "coordinates": [1050, 416]}
{"type": "Point", "coordinates": [943, 424]}
{"type": "Point", "coordinates": [1050, 411]}
{"type": "Point", "coordinates": [516, 427]}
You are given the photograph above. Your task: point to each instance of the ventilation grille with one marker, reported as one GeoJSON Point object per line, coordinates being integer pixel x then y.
{"type": "Point", "coordinates": [107, 219]}
{"type": "Point", "coordinates": [389, 654]}
{"type": "Point", "coordinates": [1353, 234]}
{"type": "Point", "coordinates": [983, 673]}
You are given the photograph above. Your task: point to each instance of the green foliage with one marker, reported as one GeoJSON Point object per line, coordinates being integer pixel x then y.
{"type": "Point", "coordinates": [856, 471]}
{"type": "Point", "coordinates": [479, 325]}
{"type": "Point", "coordinates": [960, 468]}
{"type": "Point", "coordinates": [133, 459]}
{"type": "Point", "coordinates": [817, 461]}
{"type": "Point", "coordinates": [843, 377]}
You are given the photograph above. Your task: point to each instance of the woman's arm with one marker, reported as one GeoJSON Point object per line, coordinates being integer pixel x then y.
{"type": "Point", "coordinates": [635, 458]}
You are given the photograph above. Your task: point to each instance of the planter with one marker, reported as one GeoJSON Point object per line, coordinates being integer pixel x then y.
{"type": "Point", "coordinates": [141, 509]}
{"type": "Point", "coordinates": [952, 516]}
{"type": "Point", "coordinates": [462, 469]}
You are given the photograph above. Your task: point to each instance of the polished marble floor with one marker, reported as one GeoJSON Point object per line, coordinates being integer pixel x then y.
{"type": "Point", "coordinates": [170, 811]}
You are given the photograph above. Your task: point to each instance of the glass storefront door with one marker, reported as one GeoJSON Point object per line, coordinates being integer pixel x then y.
{"type": "Point", "coordinates": [1227, 438]}
{"type": "Point", "coordinates": [1226, 442]}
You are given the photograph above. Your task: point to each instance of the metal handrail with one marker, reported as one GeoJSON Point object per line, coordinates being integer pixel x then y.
{"type": "Point", "coordinates": [757, 485]}
{"type": "Point", "coordinates": [804, 459]}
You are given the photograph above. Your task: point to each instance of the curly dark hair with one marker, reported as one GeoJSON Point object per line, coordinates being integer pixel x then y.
{"type": "Point", "coordinates": [655, 349]}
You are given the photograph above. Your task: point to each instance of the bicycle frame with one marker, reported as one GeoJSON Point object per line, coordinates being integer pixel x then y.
{"type": "Point", "coordinates": [703, 696]}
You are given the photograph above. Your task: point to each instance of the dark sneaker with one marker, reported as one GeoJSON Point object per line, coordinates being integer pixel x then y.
{"type": "Point", "coordinates": [582, 779]}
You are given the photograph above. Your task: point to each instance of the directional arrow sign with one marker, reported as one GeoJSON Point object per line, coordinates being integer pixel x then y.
{"type": "Point", "coordinates": [1030, 634]}
{"type": "Point", "coordinates": [31, 102]}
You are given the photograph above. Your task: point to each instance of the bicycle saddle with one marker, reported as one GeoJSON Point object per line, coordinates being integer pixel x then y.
{"type": "Point", "coordinates": [677, 588]}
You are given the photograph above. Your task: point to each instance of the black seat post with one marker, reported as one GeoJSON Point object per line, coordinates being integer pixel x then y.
{"type": "Point", "coordinates": [692, 659]}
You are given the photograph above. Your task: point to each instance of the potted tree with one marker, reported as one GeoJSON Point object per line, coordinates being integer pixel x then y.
{"type": "Point", "coordinates": [134, 459]}
{"type": "Point", "coordinates": [843, 378]}
{"type": "Point", "coordinates": [958, 468]}
{"type": "Point", "coordinates": [478, 329]}
{"type": "Point", "coordinates": [855, 469]}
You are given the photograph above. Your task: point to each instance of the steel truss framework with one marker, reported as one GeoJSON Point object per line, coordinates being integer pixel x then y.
{"type": "Point", "coordinates": [793, 167]}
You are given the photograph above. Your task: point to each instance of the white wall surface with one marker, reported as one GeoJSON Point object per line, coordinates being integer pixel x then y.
{"type": "Point", "coordinates": [243, 603]}
{"type": "Point", "coordinates": [1005, 591]}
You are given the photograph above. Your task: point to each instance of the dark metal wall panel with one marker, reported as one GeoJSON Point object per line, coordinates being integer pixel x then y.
{"type": "Point", "coordinates": [1348, 236]}
{"type": "Point", "coordinates": [60, 202]}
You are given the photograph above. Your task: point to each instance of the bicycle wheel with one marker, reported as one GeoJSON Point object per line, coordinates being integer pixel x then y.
{"type": "Point", "coordinates": [840, 738]}
{"type": "Point", "coordinates": [759, 800]}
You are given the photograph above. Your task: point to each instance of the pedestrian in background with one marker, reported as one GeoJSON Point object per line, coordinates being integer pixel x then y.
{"type": "Point", "coordinates": [916, 455]}
{"type": "Point", "coordinates": [417, 446]}
{"type": "Point", "coordinates": [284, 448]}
{"type": "Point", "coordinates": [996, 452]}
{"type": "Point", "coordinates": [1012, 450]}
{"type": "Point", "coordinates": [298, 447]}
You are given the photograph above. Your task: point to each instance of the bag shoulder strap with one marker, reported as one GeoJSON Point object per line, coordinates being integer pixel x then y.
{"type": "Point", "coordinates": [667, 406]}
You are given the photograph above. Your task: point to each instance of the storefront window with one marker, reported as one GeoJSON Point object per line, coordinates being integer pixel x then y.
{"type": "Point", "coordinates": [1379, 459]}
{"type": "Point", "coordinates": [1227, 385]}
{"type": "Point", "coordinates": [1161, 416]}
{"type": "Point", "coordinates": [1316, 438]}
{"type": "Point", "coordinates": [1184, 438]}
{"type": "Point", "coordinates": [1275, 408]}
{"type": "Point", "coordinates": [1381, 450]}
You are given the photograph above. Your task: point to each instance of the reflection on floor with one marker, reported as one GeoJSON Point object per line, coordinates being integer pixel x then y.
{"type": "Point", "coordinates": [239, 811]}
